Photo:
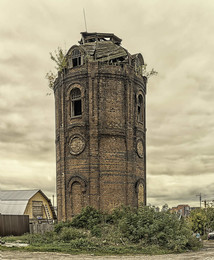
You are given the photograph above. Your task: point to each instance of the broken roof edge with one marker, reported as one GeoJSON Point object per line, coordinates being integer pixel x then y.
{"type": "Point", "coordinates": [74, 47]}
{"type": "Point", "coordinates": [87, 36]}
{"type": "Point", "coordinates": [138, 55]}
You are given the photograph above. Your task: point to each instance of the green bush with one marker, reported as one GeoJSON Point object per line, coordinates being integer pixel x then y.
{"type": "Point", "coordinates": [69, 233]}
{"type": "Point", "coordinates": [202, 220]}
{"type": "Point", "coordinates": [125, 230]}
{"type": "Point", "coordinates": [156, 228]}
{"type": "Point", "coordinates": [96, 231]}
{"type": "Point", "coordinates": [88, 218]}
{"type": "Point", "coordinates": [119, 213]}
{"type": "Point", "coordinates": [46, 238]}
{"type": "Point", "coordinates": [60, 225]}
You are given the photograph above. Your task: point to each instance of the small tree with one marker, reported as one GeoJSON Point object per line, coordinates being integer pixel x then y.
{"type": "Point", "coordinates": [59, 57]}
{"type": "Point", "coordinates": [198, 220]}
{"type": "Point", "coordinates": [146, 73]}
{"type": "Point", "coordinates": [210, 219]}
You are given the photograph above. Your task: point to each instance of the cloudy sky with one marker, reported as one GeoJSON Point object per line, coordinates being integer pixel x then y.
{"type": "Point", "coordinates": [175, 37]}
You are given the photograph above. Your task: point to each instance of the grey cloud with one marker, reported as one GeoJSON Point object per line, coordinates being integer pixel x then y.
{"type": "Point", "coordinates": [176, 38]}
{"type": "Point", "coordinates": [26, 183]}
{"type": "Point", "coordinates": [175, 190]}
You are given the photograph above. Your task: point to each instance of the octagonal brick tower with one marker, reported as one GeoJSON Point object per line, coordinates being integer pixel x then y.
{"type": "Point", "coordinates": [100, 127]}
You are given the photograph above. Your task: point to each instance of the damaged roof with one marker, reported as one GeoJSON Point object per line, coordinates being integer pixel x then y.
{"type": "Point", "coordinates": [101, 47]}
{"type": "Point", "coordinates": [104, 50]}
{"type": "Point", "coordinates": [87, 37]}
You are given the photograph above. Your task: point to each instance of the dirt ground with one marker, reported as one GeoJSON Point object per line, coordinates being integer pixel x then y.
{"type": "Point", "coordinates": [207, 253]}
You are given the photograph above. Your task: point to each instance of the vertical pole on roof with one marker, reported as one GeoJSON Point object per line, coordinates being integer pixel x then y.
{"type": "Point", "coordinates": [84, 19]}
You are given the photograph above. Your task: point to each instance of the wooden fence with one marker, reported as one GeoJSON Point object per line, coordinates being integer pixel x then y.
{"type": "Point", "coordinates": [41, 228]}
{"type": "Point", "coordinates": [14, 225]}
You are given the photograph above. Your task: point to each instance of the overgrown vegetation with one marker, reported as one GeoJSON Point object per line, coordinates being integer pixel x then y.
{"type": "Point", "coordinates": [147, 73]}
{"type": "Point", "coordinates": [202, 220]}
{"type": "Point", "coordinates": [59, 57]}
{"type": "Point", "coordinates": [60, 60]}
{"type": "Point", "coordinates": [125, 231]}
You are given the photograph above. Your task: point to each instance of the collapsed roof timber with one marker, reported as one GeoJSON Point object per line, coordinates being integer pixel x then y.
{"type": "Point", "coordinates": [102, 47]}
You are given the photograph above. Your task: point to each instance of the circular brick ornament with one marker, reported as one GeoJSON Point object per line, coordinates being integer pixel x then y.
{"type": "Point", "coordinates": [77, 144]}
{"type": "Point", "coordinates": [140, 148]}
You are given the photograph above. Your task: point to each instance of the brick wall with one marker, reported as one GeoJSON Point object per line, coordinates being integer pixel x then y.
{"type": "Point", "coordinates": [96, 153]}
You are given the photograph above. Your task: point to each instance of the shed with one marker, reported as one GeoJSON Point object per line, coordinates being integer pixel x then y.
{"type": "Point", "coordinates": [33, 203]}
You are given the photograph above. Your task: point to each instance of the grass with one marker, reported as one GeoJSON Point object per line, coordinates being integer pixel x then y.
{"type": "Point", "coordinates": [21, 239]}
{"type": "Point", "coordinates": [82, 241]}
{"type": "Point", "coordinates": [109, 242]}
{"type": "Point", "coordinates": [105, 250]}
{"type": "Point", "coordinates": [125, 232]}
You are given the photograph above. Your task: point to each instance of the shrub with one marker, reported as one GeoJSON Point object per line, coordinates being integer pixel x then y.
{"type": "Point", "coordinates": [96, 231]}
{"type": "Point", "coordinates": [119, 213]}
{"type": "Point", "coordinates": [88, 218]}
{"type": "Point", "coordinates": [125, 227]}
{"type": "Point", "coordinates": [81, 243]}
{"type": "Point", "coordinates": [69, 233]}
{"type": "Point", "coordinates": [198, 220]}
{"type": "Point", "coordinates": [45, 238]}
{"type": "Point", "coordinates": [156, 228]}
{"type": "Point", "coordinates": [60, 225]}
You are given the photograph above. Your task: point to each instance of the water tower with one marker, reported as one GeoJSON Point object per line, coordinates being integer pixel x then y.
{"type": "Point", "coordinates": [100, 127]}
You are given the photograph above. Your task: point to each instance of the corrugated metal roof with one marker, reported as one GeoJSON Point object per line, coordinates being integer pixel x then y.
{"type": "Point", "coordinates": [16, 195]}
{"type": "Point", "coordinates": [13, 207]}
{"type": "Point", "coordinates": [14, 202]}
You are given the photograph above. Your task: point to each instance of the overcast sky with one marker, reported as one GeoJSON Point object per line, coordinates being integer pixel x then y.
{"type": "Point", "coordinates": [174, 37]}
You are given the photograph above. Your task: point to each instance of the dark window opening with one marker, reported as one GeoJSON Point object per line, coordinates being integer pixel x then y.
{"type": "Point", "coordinates": [140, 108]}
{"type": "Point", "coordinates": [76, 102]}
{"type": "Point", "coordinates": [76, 58]}
{"type": "Point", "coordinates": [77, 109]}
{"type": "Point", "coordinates": [76, 62]}
{"type": "Point", "coordinates": [138, 112]}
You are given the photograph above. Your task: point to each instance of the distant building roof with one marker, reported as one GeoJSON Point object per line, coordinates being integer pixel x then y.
{"type": "Point", "coordinates": [183, 205]}
{"type": "Point", "coordinates": [13, 207]}
{"type": "Point", "coordinates": [14, 202]}
{"type": "Point", "coordinates": [15, 195]}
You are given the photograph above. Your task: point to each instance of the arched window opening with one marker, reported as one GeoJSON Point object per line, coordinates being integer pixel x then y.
{"type": "Point", "coordinates": [76, 58]}
{"type": "Point", "coordinates": [140, 108]}
{"type": "Point", "coordinates": [76, 198]}
{"type": "Point", "coordinates": [140, 195]}
{"type": "Point", "coordinates": [76, 102]}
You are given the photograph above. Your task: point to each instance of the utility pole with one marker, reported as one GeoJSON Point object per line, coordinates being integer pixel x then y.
{"type": "Point", "coordinates": [199, 195]}
{"type": "Point", "coordinates": [205, 203]}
